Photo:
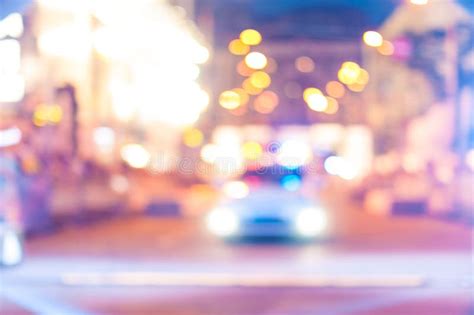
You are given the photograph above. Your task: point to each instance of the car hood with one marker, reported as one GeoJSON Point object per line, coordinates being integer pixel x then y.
{"type": "Point", "coordinates": [269, 202]}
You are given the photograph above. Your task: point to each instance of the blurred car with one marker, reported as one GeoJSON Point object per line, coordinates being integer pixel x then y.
{"type": "Point", "coordinates": [267, 203]}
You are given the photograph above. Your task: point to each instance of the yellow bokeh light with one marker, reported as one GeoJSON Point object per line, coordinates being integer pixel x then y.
{"type": "Point", "coordinates": [243, 70]}
{"type": "Point", "coordinates": [252, 150]}
{"type": "Point", "coordinates": [335, 89]}
{"type": "Point", "coordinates": [310, 91]}
{"type": "Point", "coordinates": [333, 106]}
{"type": "Point", "coordinates": [40, 113]}
{"type": "Point", "coordinates": [349, 72]}
{"type": "Point", "coordinates": [386, 49]}
{"type": "Point", "coordinates": [317, 102]}
{"type": "Point", "coordinates": [238, 48]}
{"type": "Point", "coordinates": [38, 122]}
{"type": "Point", "coordinates": [266, 102]}
{"type": "Point", "coordinates": [47, 114]}
{"type": "Point", "coordinates": [250, 88]}
{"type": "Point", "coordinates": [55, 114]}
{"type": "Point", "coordinates": [351, 65]}
{"type": "Point", "coordinates": [304, 64]}
{"type": "Point", "coordinates": [373, 39]}
{"type": "Point", "coordinates": [251, 37]}
{"type": "Point", "coordinates": [193, 137]}
{"type": "Point", "coordinates": [363, 77]}
{"type": "Point", "coordinates": [256, 60]}
{"type": "Point", "coordinates": [260, 79]}
{"type": "Point", "coordinates": [244, 97]}
{"type": "Point", "coordinates": [229, 99]}
{"type": "Point", "coordinates": [356, 87]}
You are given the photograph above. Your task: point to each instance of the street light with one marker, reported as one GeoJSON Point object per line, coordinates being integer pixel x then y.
{"type": "Point", "coordinates": [317, 102]}
{"type": "Point", "coordinates": [260, 79]}
{"type": "Point", "coordinates": [237, 47]}
{"type": "Point", "coordinates": [256, 60]}
{"type": "Point", "coordinates": [229, 99]}
{"type": "Point", "coordinates": [250, 37]}
{"type": "Point", "coordinates": [419, 2]}
{"type": "Point", "coordinates": [310, 91]}
{"type": "Point", "coordinates": [373, 39]}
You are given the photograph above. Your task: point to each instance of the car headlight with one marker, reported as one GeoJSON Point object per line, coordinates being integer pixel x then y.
{"type": "Point", "coordinates": [222, 222]}
{"type": "Point", "coordinates": [311, 222]}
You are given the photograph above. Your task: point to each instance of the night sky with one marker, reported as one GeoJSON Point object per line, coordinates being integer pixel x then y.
{"type": "Point", "coordinates": [376, 9]}
{"type": "Point", "coordinates": [306, 19]}
{"type": "Point", "coordinates": [284, 19]}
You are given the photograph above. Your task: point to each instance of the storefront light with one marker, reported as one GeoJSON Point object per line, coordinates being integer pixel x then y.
{"type": "Point", "coordinates": [12, 88]}
{"type": "Point", "coordinates": [11, 26]}
{"type": "Point", "coordinates": [68, 41]}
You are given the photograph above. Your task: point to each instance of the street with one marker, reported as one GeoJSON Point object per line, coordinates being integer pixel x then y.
{"type": "Point", "coordinates": [153, 265]}
{"type": "Point", "coordinates": [237, 157]}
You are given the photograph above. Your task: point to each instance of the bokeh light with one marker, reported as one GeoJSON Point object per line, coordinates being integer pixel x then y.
{"type": "Point", "coordinates": [243, 95]}
{"type": "Point", "coordinates": [260, 79]}
{"type": "Point", "coordinates": [294, 153]}
{"type": "Point", "coordinates": [119, 183]}
{"type": "Point", "coordinates": [363, 77]}
{"type": "Point", "coordinates": [229, 99]}
{"type": "Point", "coordinates": [193, 137]}
{"type": "Point", "coordinates": [335, 89]}
{"type": "Point", "coordinates": [373, 39]}
{"type": "Point", "coordinates": [349, 72]}
{"type": "Point", "coordinates": [310, 91]}
{"type": "Point", "coordinates": [45, 114]}
{"type": "Point", "coordinates": [200, 54]}
{"type": "Point", "coordinates": [10, 53]}
{"type": "Point", "coordinates": [317, 102]}
{"type": "Point", "coordinates": [304, 64]}
{"type": "Point", "coordinates": [291, 182]}
{"type": "Point", "coordinates": [336, 165]}
{"type": "Point", "coordinates": [243, 69]}
{"type": "Point", "coordinates": [386, 49]}
{"type": "Point", "coordinates": [356, 87]}
{"type": "Point", "coordinates": [256, 60]}
{"type": "Point", "coordinates": [10, 137]}
{"type": "Point", "coordinates": [250, 88]}
{"type": "Point", "coordinates": [332, 106]}
{"type": "Point", "coordinates": [135, 155]}
{"type": "Point", "coordinates": [238, 48]}
{"type": "Point", "coordinates": [209, 153]}
{"type": "Point", "coordinates": [11, 25]}
{"type": "Point", "coordinates": [252, 150]}
{"type": "Point", "coordinates": [250, 37]}
{"type": "Point", "coordinates": [239, 111]}
{"type": "Point", "coordinates": [104, 138]}
{"type": "Point", "coordinates": [266, 102]}
{"type": "Point", "coordinates": [419, 2]}
{"type": "Point", "coordinates": [236, 189]}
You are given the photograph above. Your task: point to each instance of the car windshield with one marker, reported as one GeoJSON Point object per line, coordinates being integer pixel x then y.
{"type": "Point", "coordinates": [274, 174]}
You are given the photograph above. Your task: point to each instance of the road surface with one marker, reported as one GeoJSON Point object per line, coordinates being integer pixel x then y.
{"type": "Point", "coordinates": [152, 265]}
